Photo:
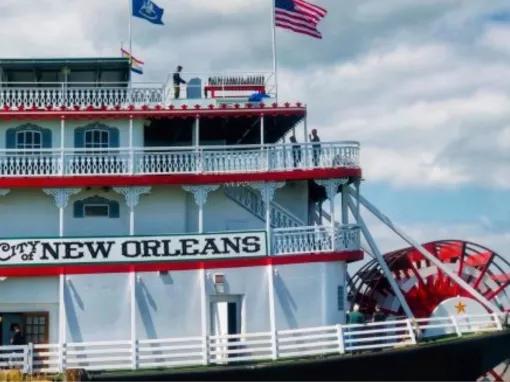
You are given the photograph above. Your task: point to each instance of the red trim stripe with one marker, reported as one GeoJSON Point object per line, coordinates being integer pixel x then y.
{"type": "Point", "coordinates": [176, 179]}
{"type": "Point", "coordinates": [45, 271]}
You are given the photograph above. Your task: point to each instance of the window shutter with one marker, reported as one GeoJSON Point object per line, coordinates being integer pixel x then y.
{"type": "Point", "coordinates": [46, 139]}
{"type": "Point", "coordinates": [10, 139]}
{"type": "Point", "coordinates": [79, 138]}
{"type": "Point", "coordinates": [114, 210]}
{"type": "Point", "coordinates": [114, 137]}
{"type": "Point", "coordinates": [78, 209]}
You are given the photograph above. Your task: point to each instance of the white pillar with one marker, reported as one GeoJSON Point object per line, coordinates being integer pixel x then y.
{"type": "Point", "coordinates": [200, 194]}
{"type": "Point", "coordinates": [196, 135]}
{"type": "Point", "coordinates": [262, 129]}
{"type": "Point", "coordinates": [132, 320]}
{"type": "Point", "coordinates": [331, 187]}
{"type": "Point", "coordinates": [345, 205]}
{"type": "Point", "coordinates": [272, 311]}
{"type": "Point", "coordinates": [204, 315]}
{"type": "Point", "coordinates": [267, 191]}
{"type": "Point", "coordinates": [131, 153]}
{"type": "Point", "coordinates": [132, 197]}
{"type": "Point", "coordinates": [62, 145]}
{"type": "Point", "coordinates": [305, 127]}
{"type": "Point", "coordinates": [61, 196]}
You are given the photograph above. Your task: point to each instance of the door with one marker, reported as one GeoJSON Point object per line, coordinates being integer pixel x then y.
{"type": "Point", "coordinates": [225, 320]}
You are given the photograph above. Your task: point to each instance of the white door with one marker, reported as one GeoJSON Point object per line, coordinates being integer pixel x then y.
{"type": "Point", "coordinates": [225, 321]}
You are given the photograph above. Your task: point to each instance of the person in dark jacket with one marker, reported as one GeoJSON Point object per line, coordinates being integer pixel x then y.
{"type": "Point", "coordinates": [316, 147]}
{"type": "Point", "coordinates": [17, 337]}
{"type": "Point", "coordinates": [177, 82]}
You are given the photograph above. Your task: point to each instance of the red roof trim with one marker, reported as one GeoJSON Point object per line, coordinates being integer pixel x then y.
{"type": "Point", "coordinates": [175, 179]}
{"type": "Point", "coordinates": [189, 112]}
{"type": "Point", "coordinates": [41, 271]}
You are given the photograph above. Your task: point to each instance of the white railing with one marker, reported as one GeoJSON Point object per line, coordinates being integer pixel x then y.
{"type": "Point", "coordinates": [244, 347]}
{"type": "Point", "coordinates": [252, 201]}
{"type": "Point", "coordinates": [315, 239]}
{"type": "Point", "coordinates": [177, 160]}
{"type": "Point", "coordinates": [80, 95]}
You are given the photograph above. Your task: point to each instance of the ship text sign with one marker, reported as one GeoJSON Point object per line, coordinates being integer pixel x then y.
{"type": "Point", "coordinates": [132, 249]}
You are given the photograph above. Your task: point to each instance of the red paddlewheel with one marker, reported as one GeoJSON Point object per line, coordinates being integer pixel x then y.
{"type": "Point", "coordinates": [425, 286]}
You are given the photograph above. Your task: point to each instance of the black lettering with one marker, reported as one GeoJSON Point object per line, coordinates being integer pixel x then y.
{"type": "Point", "coordinates": [211, 247]}
{"type": "Point", "coordinates": [251, 244]}
{"type": "Point", "coordinates": [131, 249]}
{"type": "Point", "coordinates": [187, 245]}
{"type": "Point", "coordinates": [48, 249]}
{"type": "Point", "coordinates": [99, 248]}
{"type": "Point", "coordinates": [150, 248]}
{"type": "Point", "coordinates": [230, 245]}
{"type": "Point", "coordinates": [166, 249]}
{"type": "Point", "coordinates": [72, 250]}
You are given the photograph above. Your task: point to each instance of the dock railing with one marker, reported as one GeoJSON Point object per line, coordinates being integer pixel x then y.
{"type": "Point", "coordinates": [243, 347]}
{"type": "Point", "coordinates": [178, 160]}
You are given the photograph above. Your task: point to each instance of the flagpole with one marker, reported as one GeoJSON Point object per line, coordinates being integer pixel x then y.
{"type": "Point", "coordinates": [130, 39]}
{"type": "Point", "coordinates": [275, 58]}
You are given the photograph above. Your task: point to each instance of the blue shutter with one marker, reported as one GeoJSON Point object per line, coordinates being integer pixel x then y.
{"type": "Point", "coordinates": [78, 209]}
{"type": "Point", "coordinates": [114, 209]}
{"type": "Point", "coordinates": [10, 139]}
{"type": "Point", "coordinates": [114, 137]}
{"type": "Point", "coordinates": [46, 138]}
{"type": "Point", "coordinates": [79, 135]}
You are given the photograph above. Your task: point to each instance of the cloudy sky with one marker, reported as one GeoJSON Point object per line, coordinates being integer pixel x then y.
{"type": "Point", "coordinates": [422, 84]}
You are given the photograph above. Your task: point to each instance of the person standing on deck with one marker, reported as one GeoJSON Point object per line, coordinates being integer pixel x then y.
{"type": "Point", "coordinates": [316, 147]}
{"type": "Point", "coordinates": [17, 337]}
{"type": "Point", "coordinates": [177, 82]}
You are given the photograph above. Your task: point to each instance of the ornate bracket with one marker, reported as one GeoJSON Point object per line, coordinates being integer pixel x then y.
{"type": "Point", "coordinates": [331, 186]}
{"type": "Point", "coordinates": [132, 194]}
{"type": "Point", "coordinates": [267, 190]}
{"type": "Point", "coordinates": [61, 195]}
{"type": "Point", "coordinates": [200, 192]}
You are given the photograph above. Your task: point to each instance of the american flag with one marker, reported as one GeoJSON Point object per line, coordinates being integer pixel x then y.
{"type": "Point", "coordinates": [299, 16]}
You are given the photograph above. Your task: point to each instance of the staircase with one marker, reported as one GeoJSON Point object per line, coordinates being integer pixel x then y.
{"type": "Point", "coordinates": [251, 201]}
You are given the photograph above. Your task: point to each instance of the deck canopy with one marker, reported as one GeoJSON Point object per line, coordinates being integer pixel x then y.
{"type": "Point", "coordinates": [73, 71]}
{"type": "Point", "coordinates": [220, 130]}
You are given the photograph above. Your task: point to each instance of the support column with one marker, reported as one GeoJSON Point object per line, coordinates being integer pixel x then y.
{"type": "Point", "coordinates": [267, 191]}
{"type": "Point", "coordinates": [331, 186]}
{"type": "Point", "coordinates": [196, 134]}
{"type": "Point", "coordinates": [132, 320]}
{"type": "Point", "coordinates": [62, 144]}
{"type": "Point", "coordinates": [200, 194]}
{"type": "Point", "coordinates": [61, 196]}
{"type": "Point", "coordinates": [132, 196]}
{"type": "Point", "coordinates": [203, 316]}
{"type": "Point", "coordinates": [131, 153]}
{"type": "Point", "coordinates": [262, 129]}
{"type": "Point", "coordinates": [272, 312]}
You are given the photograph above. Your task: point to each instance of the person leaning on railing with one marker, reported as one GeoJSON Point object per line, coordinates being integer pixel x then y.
{"type": "Point", "coordinates": [296, 151]}
{"type": "Point", "coordinates": [316, 147]}
{"type": "Point", "coordinates": [177, 82]}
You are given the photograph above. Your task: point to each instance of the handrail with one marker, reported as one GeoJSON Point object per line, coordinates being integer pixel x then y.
{"type": "Point", "coordinates": [233, 348]}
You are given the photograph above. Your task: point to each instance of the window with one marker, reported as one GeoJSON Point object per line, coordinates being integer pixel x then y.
{"type": "Point", "coordinates": [28, 139]}
{"type": "Point", "coordinates": [96, 136]}
{"type": "Point", "coordinates": [96, 210]}
{"type": "Point", "coordinates": [96, 207]}
{"type": "Point", "coordinates": [97, 139]}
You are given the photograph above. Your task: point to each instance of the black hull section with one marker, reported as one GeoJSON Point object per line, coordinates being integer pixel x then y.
{"type": "Point", "coordinates": [463, 359]}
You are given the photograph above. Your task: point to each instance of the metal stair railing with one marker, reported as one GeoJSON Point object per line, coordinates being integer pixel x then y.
{"type": "Point", "coordinates": [251, 201]}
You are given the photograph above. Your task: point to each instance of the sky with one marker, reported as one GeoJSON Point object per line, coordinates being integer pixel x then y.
{"type": "Point", "coordinates": [423, 85]}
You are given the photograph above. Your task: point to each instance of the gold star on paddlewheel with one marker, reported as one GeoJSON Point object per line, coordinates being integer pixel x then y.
{"type": "Point", "coordinates": [461, 307]}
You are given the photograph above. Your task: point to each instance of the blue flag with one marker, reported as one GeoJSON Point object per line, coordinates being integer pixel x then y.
{"type": "Point", "coordinates": [146, 9]}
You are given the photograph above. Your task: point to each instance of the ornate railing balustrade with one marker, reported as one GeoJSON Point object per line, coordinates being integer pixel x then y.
{"type": "Point", "coordinates": [245, 347]}
{"type": "Point", "coordinates": [315, 239]}
{"type": "Point", "coordinates": [178, 160]}
{"type": "Point", "coordinates": [122, 95]}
